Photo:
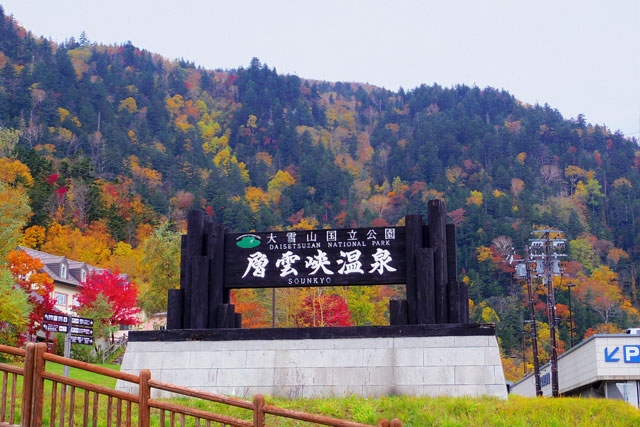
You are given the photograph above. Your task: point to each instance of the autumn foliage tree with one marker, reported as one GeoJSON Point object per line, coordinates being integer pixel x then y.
{"type": "Point", "coordinates": [38, 286]}
{"type": "Point", "coordinates": [247, 302]}
{"type": "Point", "coordinates": [323, 310]}
{"type": "Point", "coordinates": [118, 291]}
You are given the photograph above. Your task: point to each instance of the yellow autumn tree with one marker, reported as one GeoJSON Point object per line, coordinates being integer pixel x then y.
{"type": "Point", "coordinates": [256, 197]}
{"type": "Point", "coordinates": [15, 173]}
{"type": "Point", "coordinates": [573, 174]}
{"type": "Point", "coordinates": [281, 181]}
{"type": "Point", "coordinates": [174, 104]}
{"type": "Point", "coordinates": [128, 104]}
{"type": "Point", "coordinates": [475, 198]}
{"type": "Point", "coordinates": [33, 237]}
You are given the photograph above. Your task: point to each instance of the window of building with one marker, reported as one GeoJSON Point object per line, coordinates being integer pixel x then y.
{"type": "Point", "coordinates": [83, 276]}
{"type": "Point", "coordinates": [63, 271]}
{"type": "Point", "coordinates": [61, 299]}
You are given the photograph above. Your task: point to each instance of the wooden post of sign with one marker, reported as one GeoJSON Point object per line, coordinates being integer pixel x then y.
{"type": "Point", "coordinates": [398, 312]}
{"type": "Point", "coordinates": [175, 306]}
{"type": "Point", "coordinates": [226, 293]}
{"type": "Point", "coordinates": [199, 292]}
{"type": "Point", "coordinates": [195, 228]}
{"type": "Point", "coordinates": [438, 241]}
{"type": "Point", "coordinates": [215, 253]}
{"type": "Point", "coordinates": [453, 288]}
{"type": "Point", "coordinates": [425, 286]}
{"type": "Point", "coordinates": [226, 316]}
{"type": "Point", "coordinates": [464, 302]}
{"type": "Point", "coordinates": [175, 297]}
{"type": "Point", "coordinates": [67, 346]}
{"type": "Point", "coordinates": [413, 224]}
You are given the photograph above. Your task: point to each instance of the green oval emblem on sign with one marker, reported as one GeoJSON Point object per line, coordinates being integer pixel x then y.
{"type": "Point", "coordinates": [248, 241]}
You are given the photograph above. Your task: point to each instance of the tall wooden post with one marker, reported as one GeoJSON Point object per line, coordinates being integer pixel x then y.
{"type": "Point", "coordinates": [453, 287]}
{"type": "Point", "coordinates": [175, 308]}
{"type": "Point", "coordinates": [413, 225]}
{"type": "Point", "coordinates": [195, 229]}
{"type": "Point", "coordinates": [215, 253]}
{"type": "Point", "coordinates": [199, 292]}
{"type": "Point", "coordinates": [425, 286]}
{"type": "Point", "coordinates": [438, 242]}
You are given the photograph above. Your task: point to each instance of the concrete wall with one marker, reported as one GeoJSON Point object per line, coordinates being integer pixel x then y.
{"type": "Point", "coordinates": [432, 366]}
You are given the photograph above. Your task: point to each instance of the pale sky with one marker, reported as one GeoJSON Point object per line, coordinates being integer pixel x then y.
{"type": "Point", "coordinates": [579, 56]}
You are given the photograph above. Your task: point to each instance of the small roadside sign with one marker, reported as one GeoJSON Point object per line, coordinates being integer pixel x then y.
{"type": "Point", "coordinates": [76, 339]}
{"type": "Point", "coordinates": [81, 331]}
{"type": "Point", "coordinates": [82, 321]}
{"type": "Point", "coordinates": [54, 327]}
{"type": "Point", "coordinates": [78, 329]}
{"type": "Point", "coordinates": [56, 318]}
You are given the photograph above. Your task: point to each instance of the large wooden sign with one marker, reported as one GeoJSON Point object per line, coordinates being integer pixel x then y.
{"type": "Point", "coordinates": [358, 256]}
{"type": "Point", "coordinates": [420, 256]}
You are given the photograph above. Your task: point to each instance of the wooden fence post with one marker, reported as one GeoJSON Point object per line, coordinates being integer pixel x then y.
{"type": "Point", "coordinates": [27, 384]}
{"type": "Point", "coordinates": [38, 385]}
{"type": "Point", "coordinates": [144, 412]}
{"type": "Point", "coordinates": [258, 410]}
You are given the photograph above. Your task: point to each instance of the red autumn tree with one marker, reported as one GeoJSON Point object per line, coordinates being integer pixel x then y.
{"type": "Point", "coordinates": [39, 286]}
{"type": "Point", "coordinates": [247, 302]}
{"type": "Point", "coordinates": [120, 293]}
{"type": "Point", "coordinates": [324, 310]}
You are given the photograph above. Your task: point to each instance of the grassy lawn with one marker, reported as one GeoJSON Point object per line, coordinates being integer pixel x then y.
{"type": "Point", "coordinates": [413, 411]}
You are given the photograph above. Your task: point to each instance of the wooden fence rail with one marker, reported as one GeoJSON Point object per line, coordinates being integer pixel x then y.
{"type": "Point", "coordinates": [72, 400]}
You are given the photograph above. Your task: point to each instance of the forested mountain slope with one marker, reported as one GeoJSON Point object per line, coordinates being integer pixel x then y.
{"type": "Point", "coordinates": [118, 139]}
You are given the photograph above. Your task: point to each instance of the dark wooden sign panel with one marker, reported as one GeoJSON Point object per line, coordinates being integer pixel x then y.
{"type": "Point", "coordinates": [55, 327]}
{"type": "Point", "coordinates": [421, 257]}
{"type": "Point", "coordinates": [82, 321]}
{"type": "Point", "coordinates": [78, 339]}
{"type": "Point", "coordinates": [55, 318]}
{"type": "Point", "coordinates": [358, 256]}
{"type": "Point", "coordinates": [82, 331]}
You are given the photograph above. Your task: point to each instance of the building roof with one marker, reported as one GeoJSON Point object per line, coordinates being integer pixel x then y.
{"type": "Point", "coordinates": [53, 265]}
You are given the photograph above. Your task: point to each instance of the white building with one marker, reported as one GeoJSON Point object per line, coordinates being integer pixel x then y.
{"type": "Point", "coordinates": [602, 366]}
{"type": "Point", "coordinates": [68, 276]}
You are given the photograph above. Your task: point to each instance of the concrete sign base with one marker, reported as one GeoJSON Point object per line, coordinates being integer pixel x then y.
{"type": "Point", "coordinates": [292, 368]}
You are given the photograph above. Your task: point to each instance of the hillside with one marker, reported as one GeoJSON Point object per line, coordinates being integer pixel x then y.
{"type": "Point", "coordinates": [118, 140]}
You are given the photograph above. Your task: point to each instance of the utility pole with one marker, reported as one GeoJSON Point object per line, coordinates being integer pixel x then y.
{"type": "Point", "coordinates": [548, 267]}
{"type": "Point", "coordinates": [569, 286]}
{"type": "Point", "coordinates": [551, 311]}
{"type": "Point", "coordinates": [523, 270]}
{"type": "Point", "coordinates": [534, 329]}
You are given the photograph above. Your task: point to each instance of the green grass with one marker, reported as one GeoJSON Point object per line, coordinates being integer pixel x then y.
{"type": "Point", "coordinates": [82, 375]}
{"type": "Point", "coordinates": [412, 411]}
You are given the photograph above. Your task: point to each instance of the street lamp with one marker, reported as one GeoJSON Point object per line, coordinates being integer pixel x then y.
{"type": "Point", "coordinates": [570, 285]}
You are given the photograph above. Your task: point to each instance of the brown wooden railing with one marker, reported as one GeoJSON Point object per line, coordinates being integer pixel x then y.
{"type": "Point", "coordinates": [64, 410]}
{"type": "Point", "coordinates": [10, 372]}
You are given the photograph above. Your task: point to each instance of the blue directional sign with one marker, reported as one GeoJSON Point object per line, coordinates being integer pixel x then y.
{"type": "Point", "coordinates": [609, 355]}
{"type": "Point", "coordinates": [631, 353]}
